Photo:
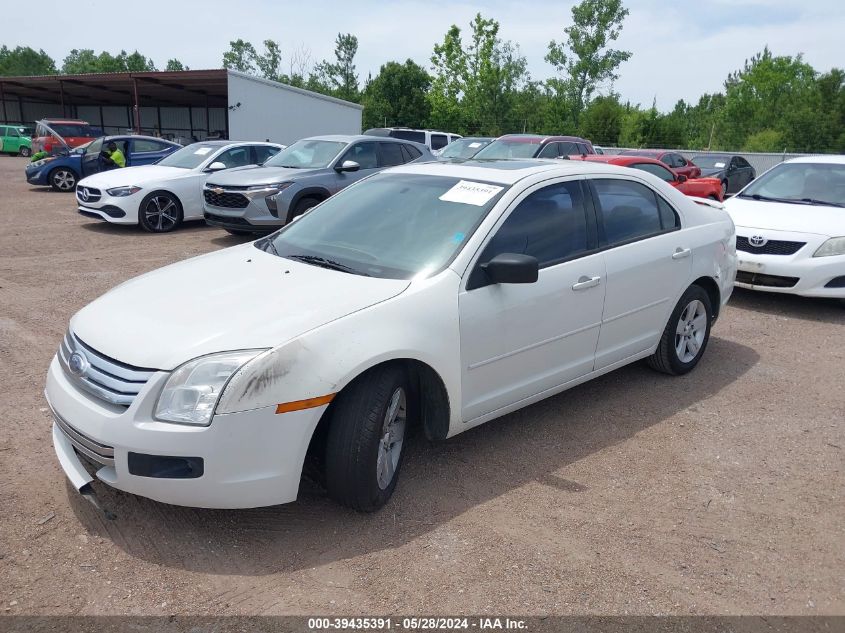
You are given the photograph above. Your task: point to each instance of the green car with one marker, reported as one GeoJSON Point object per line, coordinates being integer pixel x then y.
{"type": "Point", "coordinates": [13, 142]}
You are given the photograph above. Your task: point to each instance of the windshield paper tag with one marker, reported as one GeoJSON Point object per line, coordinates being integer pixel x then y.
{"type": "Point", "coordinates": [202, 151]}
{"type": "Point", "coordinates": [475, 144]}
{"type": "Point", "coordinates": [719, 164]}
{"type": "Point", "coordinates": [468, 192]}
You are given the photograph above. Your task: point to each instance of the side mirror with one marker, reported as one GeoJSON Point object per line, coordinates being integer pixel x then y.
{"type": "Point", "coordinates": [681, 178]}
{"type": "Point", "coordinates": [348, 165]}
{"type": "Point", "coordinates": [216, 166]}
{"type": "Point", "coordinates": [512, 268]}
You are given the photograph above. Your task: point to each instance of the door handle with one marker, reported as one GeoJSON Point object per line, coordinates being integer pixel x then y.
{"type": "Point", "coordinates": [680, 253]}
{"type": "Point", "coordinates": [585, 282]}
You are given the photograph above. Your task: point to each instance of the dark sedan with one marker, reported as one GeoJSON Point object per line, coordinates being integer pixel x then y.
{"type": "Point", "coordinates": [63, 171]}
{"type": "Point", "coordinates": [734, 171]}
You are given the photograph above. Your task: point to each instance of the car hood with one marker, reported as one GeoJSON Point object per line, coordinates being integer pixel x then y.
{"type": "Point", "coordinates": [711, 171]}
{"type": "Point", "coordinates": [61, 161]}
{"type": "Point", "coordinates": [254, 175]}
{"type": "Point", "coordinates": [782, 216]}
{"type": "Point", "coordinates": [132, 176]}
{"type": "Point", "coordinates": [237, 298]}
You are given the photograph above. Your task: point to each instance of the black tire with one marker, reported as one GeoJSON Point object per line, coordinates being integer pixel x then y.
{"type": "Point", "coordinates": [666, 358]}
{"type": "Point", "coordinates": [357, 436]}
{"type": "Point", "coordinates": [237, 232]}
{"type": "Point", "coordinates": [160, 212]}
{"type": "Point", "coordinates": [25, 152]}
{"type": "Point", "coordinates": [724, 189]}
{"type": "Point", "coordinates": [63, 179]}
{"type": "Point", "coordinates": [303, 205]}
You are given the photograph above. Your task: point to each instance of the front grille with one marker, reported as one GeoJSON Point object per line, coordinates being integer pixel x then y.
{"type": "Point", "coordinates": [225, 219]}
{"type": "Point", "coordinates": [225, 200]}
{"type": "Point", "coordinates": [88, 194]}
{"type": "Point", "coordinates": [772, 247]}
{"type": "Point", "coordinates": [88, 447]}
{"type": "Point", "coordinates": [759, 279]}
{"type": "Point", "coordinates": [104, 377]}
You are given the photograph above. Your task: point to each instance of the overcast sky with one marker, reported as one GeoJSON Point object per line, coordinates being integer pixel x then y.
{"type": "Point", "coordinates": [680, 49]}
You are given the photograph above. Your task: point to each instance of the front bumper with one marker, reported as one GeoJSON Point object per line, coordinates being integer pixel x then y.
{"type": "Point", "coordinates": [38, 176]}
{"type": "Point", "coordinates": [250, 459]}
{"type": "Point", "coordinates": [799, 274]}
{"type": "Point", "coordinates": [260, 213]}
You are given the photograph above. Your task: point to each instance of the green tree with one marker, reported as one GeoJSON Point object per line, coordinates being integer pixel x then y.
{"type": "Point", "coordinates": [338, 78]}
{"type": "Point", "coordinates": [86, 61]}
{"type": "Point", "coordinates": [23, 60]}
{"type": "Point", "coordinates": [397, 96]}
{"type": "Point", "coordinates": [584, 60]}
{"type": "Point", "coordinates": [764, 141]}
{"type": "Point", "coordinates": [240, 56]}
{"type": "Point", "coordinates": [601, 121]}
{"type": "Point", "coordinates": [175, 64]}
{"type": "Point", "coordinates": [270, 61]}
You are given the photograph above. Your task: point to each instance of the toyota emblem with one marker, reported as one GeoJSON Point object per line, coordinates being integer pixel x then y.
{"type": "Point", "coordinates": [78, 364]}
{"type": "Point", "coordinates": [757, 241]}
{"type": "Point", "coordinates": [83, 193]}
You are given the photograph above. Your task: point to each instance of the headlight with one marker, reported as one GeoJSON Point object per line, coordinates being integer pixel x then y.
{"type": "Point", "coordinates": [834, 246]}
{"type": "Point", "coordinates": [192, 391]}
{"type": "Point", "coordinates": [42, 162]}
{"type": "Point", "coordinates": [271, 188]}
{"type": "Point", "coordinates": [120, 192]}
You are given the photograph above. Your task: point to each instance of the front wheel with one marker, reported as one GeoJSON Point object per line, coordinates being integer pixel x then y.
{"type": "Point", "coordinates": [160, 212]}
{"type": "Point", "coordinates": [366, 437]}
{"type": "Point", "coordinates": [25, 152]}
{"type": "Point", "coordinates": [62, 179]}
{"type": "Point", "coordinates": [724, 188]}
{"type": "Point", "coordinates": [686, 334]}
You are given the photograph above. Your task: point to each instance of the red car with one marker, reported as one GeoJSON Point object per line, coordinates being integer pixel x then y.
{"type": "Point", "coordinates": [49, 134]}
{"type": "Point", "coordinates": [673, 160]}
{"type": "Point", "coordinates": [698, 187]}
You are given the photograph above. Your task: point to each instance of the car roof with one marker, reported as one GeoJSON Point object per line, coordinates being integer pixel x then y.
{"type": "Point", "coordinates": [115, 137]}
{"type": "Point", "coordinates": [645, 152]}
{"type": "Point", "coordinates": [504, 171]}
{"type": "Point", "coordinates": [527, 138]}
{"type": "Point", "coordinates": [351, 138]}
{"type": "Point", "coordinates": [831, 159]}
{"type": "Point", "coordinates": [619, 159]}
{"type": "Point", "coordinates": [48, 120]}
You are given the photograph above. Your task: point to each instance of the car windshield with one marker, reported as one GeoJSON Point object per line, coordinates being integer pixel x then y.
{"type": "Point", "coordinates": [801, 183]}
{"type": "Point", "coordinates": [392, 226]}
{"type": "Point", "coordinates": [510, 148]}
{"type": "Point", "coordinates": [307, 154]}
{"type": "Point", "coordinates": [189, 157]}
{"type": "Point", "coordinates": [463, 148]}
{"type": "Point", "coordinates": [711, 162]}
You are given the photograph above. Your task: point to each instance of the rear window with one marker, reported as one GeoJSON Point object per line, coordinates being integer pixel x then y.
{"type": "Point", "coordinates": [409, 135]}
{"type": "Point", "coordinates": [438, 141]}
{"type": "Point", "coordinates": [412, 153]}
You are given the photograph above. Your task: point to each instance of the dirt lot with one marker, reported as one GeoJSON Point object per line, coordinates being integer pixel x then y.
{"type": "Point", "coordinates": [720, 492]}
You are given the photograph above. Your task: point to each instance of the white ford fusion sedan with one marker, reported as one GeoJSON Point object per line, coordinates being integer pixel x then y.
{"type": "Point", "coordinates": [161, 196]}
{"type": "Point", "coordinates": [790, 226]}
{"type": "Point", "coordinates": [435, 295]}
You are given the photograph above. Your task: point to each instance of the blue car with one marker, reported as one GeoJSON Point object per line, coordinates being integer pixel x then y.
{"type": "Point", "coordinates": [62, 172]}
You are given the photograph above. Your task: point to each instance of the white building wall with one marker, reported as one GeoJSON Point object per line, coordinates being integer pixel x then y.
{"type": "Point", "coordinates": [283, 114]}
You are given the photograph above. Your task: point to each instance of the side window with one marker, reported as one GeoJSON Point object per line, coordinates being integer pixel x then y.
{"type": "Point", "coordinates": [235, 157]}
{"type": "Point", "coordinates": [734, 162]}
{"type": "Point", "coordinates": [582, 149]}
{"type": "Point", "coordinates": [627, 210]}
{"type": "Point", "coordinates": [439, 141]}
{"type": "Point", "coordinates": [680, 161]}
{"type": "Point", "coordinates": [549, 151]}
{"type": "Point", "coordinates": [263, 153]}
{"type": "Point", "coordinates": [550, 224]}
{"type": "Point", "coordinates": [668, 217]}
{"type": "Point", "coordinates": [743, 163]}
{"type": "Point", "coordinates": [568, 149]}
{"type": "Point", "coordinates": [144, 145]}
{"type": "Point", "coordinates": [391, 154]}
{"type": "Point", "coordinates": [409, 135]}
{"type": "Point", "coordinates": [410, 153]}
{"type": "Point", "coordinates": [362, 153]}
{"type": "Point", "coordinates": [658, 170]}
{"type": "Point", "coordinates": [3, 131]}
{"type": "Point", "coordinates": [12, 132]}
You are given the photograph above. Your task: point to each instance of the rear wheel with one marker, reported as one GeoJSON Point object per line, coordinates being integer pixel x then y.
{"type": "Point", "coordinates": [686, 334]}
{"type": "Point", "coordinates": [160, 212]}
{"type": "Point", "coordinates": [25, 152]}
{"type": "Point", "coordinates": [724, 188]}
{"type": "Point", "coordinates": [366, 437]}
{"type": "Point", "coordinates": [62, 179]}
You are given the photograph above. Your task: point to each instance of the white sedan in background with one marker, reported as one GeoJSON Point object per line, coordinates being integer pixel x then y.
{"type": "Point", "coordinates": [160, 197]}
{"type": "Point", "coordinates": [433, 295]}
{"type": "Point", "coordinates": [790, 227]}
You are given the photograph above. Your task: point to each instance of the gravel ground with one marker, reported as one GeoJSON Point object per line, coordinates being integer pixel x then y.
{"type": "Point", "coordinates": [720, 492]}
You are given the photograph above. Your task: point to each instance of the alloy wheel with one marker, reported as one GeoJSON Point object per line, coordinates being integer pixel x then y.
{"type": "Point", "coordinates": [64, 180]}
{"type": "Point", "coordinates": [690, 331]}
{"type": "Point", "coordinates": [392, 438]}
{"type": "Point", "coordinates": [161, 213]}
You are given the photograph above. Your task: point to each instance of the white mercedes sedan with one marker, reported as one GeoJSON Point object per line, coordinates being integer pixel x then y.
{"type": "Point", "coordinates": [437, 295]}
{"type": "Point", "coordinates": [160, 197]}
{"type": "Point", "coordinates": [790, 226]}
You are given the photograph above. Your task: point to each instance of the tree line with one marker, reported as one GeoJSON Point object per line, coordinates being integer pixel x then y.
{"type": "Point", "coordinates": [479, 84]}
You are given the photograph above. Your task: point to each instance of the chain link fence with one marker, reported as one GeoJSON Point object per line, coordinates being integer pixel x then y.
{"type": "Point", "coordinates": [759, 161]}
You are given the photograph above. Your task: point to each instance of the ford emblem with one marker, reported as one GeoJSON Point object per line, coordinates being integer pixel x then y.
{"type": "Point", "coordinates": [78, 364]}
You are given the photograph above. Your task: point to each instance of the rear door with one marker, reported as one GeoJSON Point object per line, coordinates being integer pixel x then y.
{"type": "Point", "coordinates": [144, 151]}
{"type": "Point", "coordinates": [648, 266]}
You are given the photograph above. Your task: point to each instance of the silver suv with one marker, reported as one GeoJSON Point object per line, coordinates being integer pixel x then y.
{"type": "Point", "coordinates": [261, 199]}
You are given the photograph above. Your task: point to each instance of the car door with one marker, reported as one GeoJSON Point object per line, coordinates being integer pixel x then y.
{"type": "Point", "coordinates": [735, 175]}
{"type": "Point", "coordinates": [648, 264]}
{"type": "Point", "coordinates": [746, 171]}
{"type": "Point", "coordinates": [144, 151]}
{"type": "Point", "coordinates": [90, 161]}
{"type": "Point", "coordinates": [518, 340]}
{"type": "Point", "coordinates": [366, 155]}
{"type": "Point", "coordinates": [12, 141]}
